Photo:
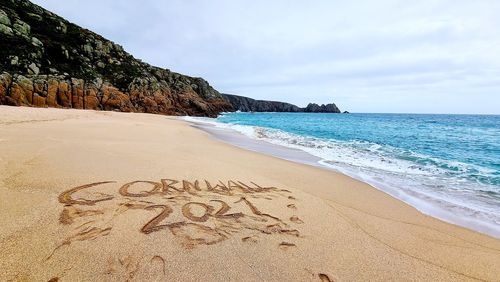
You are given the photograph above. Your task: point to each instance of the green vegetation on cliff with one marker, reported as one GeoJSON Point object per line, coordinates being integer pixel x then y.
{"type": "Point", "coordinates": [46, 61]}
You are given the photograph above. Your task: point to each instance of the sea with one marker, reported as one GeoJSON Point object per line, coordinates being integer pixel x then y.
{"type": "Point", "coordinates": [446, 166]}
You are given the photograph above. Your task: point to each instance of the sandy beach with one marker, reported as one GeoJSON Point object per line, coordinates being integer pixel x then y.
{"type": "Point", "coordinates": [108, 196]}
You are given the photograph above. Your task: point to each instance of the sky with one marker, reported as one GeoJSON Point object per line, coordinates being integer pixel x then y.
{"type": "Point", "coordinates": [426, 56]}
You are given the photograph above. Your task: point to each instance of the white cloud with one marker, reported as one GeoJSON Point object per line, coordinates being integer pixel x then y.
{"type": "Point", "coordinates": [372, 56]}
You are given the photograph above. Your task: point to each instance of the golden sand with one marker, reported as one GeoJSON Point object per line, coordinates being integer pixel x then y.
{"type": "Point", "coordinates": [104, 196]}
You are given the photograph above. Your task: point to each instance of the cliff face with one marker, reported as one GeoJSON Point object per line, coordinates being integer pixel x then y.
{"type": "Point", "coordinates": [246, 104]}
{"type": "Point", "coordinates": [46, 61]}
{"type": "Point", "coordinates": [315, 108]}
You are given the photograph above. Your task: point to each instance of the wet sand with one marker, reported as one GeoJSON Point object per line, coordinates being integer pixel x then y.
{"type": "Point", "coordinates": [116, 196]}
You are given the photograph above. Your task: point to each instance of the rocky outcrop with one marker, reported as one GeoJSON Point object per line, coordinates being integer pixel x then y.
{"type": "Point", "coordinates": [315, 108]}
{"type": "Point", "coordinates": [246, 104]}
{"type": "Point", "coordinates": [46, 61]}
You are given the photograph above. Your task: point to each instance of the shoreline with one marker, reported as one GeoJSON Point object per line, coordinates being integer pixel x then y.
{"type": "Point", "coordinates": [235, 138]}
{"type": "Point", "coordinates": [113, 196]}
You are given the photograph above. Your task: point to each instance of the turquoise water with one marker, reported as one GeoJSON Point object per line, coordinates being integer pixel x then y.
{"type": "Point", "coordinates": [445, 165]}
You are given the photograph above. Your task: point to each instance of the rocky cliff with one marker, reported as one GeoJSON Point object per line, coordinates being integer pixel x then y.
{"type": "Point", "coordinates": [315, 108]}
{"type": "Point", "coordinates": [46, 61]}
{"type": "Point", "coordinates": [246, 104]}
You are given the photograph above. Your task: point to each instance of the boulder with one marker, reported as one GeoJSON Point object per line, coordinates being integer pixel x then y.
{"type": "Point", "coordinates": [14, 60]}
{"type": "Point", "coordinates": [4, 18]}
{"type": "Point", "coordinates": [62, 27]}
{"type": "Point", "coordinates": [77, 93]}
{"type": "Point", "coordinates": [64, 94]}
{"type": "Point", "coordinates": [33, 69]}
{"type": "Point", "coordinates": [21, 92]}
{"type": "Point", "coordinates": [114, 99]}
{"type": "Point", "coordinates": [52, 90]}
{"type": "Point", "coordinates": [36, 17]}
{"type": "Point", "coordinates": [39, 86]}
{"type": "Point", "coordinates": [21, 27]}
{"type": "Point", "coordinates": [5, 82]}
{"type": "Point", "coordinates": [36, 42]}
{"type": "Point", "coordinates": [39, 101]}
{"type": "Point", "coordinates": [91, 99]}
{"type": "Point", "coordinates": [6, 30]}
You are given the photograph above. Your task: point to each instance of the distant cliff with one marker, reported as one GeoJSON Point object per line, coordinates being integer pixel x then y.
{"type": "Point", "coordinates": [246, 104]}
{"type": "Point", "coordinates": [46, 61]}
{"type": "Point", "coordinates": [315, 108]}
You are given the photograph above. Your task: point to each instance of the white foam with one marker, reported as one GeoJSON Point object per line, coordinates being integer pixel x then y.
{"type": "Point", "coordinates": [425, 185]}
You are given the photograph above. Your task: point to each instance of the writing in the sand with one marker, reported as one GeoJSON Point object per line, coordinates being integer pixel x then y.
{"type": "Point", "coordinates": [166, 187]}
{"type": "Point", "coordinates": [202, 212]}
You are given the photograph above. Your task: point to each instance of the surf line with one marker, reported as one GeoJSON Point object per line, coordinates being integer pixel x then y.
{"type": "Point", "coordinates": [166, 187]}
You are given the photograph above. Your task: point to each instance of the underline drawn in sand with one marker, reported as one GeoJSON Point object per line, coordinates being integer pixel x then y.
{"type": "Point", "coordinates": [194, 212]}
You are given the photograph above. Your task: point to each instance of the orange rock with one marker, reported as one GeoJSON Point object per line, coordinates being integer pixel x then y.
{"type": "Point", "coordinates": [162, 99]}
{"type": "Point", "coordinates": [39, 101]}
{"type": "Point", "coordinates": [52, 88]}
{"type": "Point", "coordinates": [16, 97]}
{"type": "Point", "coordinates": [26, 85]}
{"type": "Point", "coordinates": [39, 86]}
{"type": "Point", "coordinates": [5, 81]}
{"type": "Point", "coordinates": [91, 100]}
{"type": "Point", "coordinates": [21, 92]}
{"type": "Point", "coordinates": [150, 105]}
{"type": "Point", "coordinates": [143, 95]}
{"type": "Point", "coordinates": [64, 94]}
{"type": "Point", "coordinates": [77, 93]}
{"type": "Point", "coordinates": [114, 99]}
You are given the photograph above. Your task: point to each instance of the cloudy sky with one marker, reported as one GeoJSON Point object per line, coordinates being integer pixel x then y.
{"type": "Point", "coordinates": [428, 56]}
